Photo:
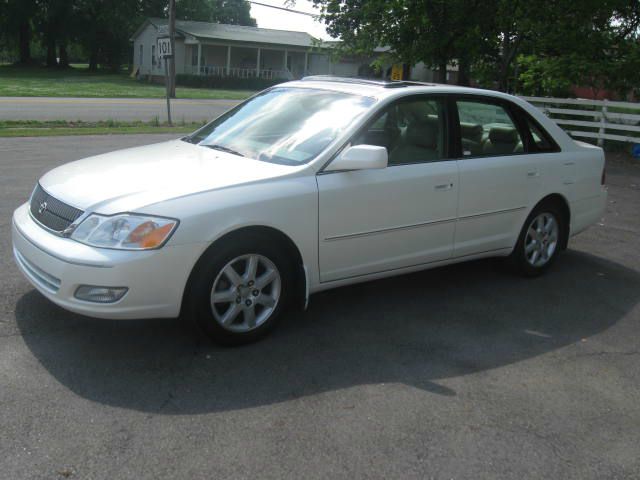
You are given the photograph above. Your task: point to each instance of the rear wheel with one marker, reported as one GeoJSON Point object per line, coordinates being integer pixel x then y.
{"type": "Point", "coordinates": [540, 240]}
{"type": "Point", "coordinates": [238, 290]}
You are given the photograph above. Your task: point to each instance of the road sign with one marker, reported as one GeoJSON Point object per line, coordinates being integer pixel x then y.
{"type": "Point", "coordinates": [164, 47]}
{"type": "Point", "coordinates": [396, 71]}
{"type": "Point", "coordinates": [164, 51]}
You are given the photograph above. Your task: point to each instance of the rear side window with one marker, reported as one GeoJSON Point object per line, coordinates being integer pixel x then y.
{"type": "Point", "coordinates": [487, 129]}
{"type": "Point", "coordinates": [541, 140]}
{"type": "Point", "coordinates": [412, 130]}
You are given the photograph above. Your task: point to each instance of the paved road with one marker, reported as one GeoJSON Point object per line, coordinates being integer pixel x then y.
{"type": "Point", "coordinates": [122, 109]}
{"type": "Point", "coordinates": [463, 372]}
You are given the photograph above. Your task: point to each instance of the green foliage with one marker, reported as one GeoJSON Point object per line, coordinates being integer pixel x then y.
{"type": "Point", "coordinates": [546, 46]}
{"type": "Point", "coordinates": [230, 83]}
{"type": "Point", "coordinates": [101, 27]}
{"type": "Point", "coordinates": [233, 12]}
{"type": "Point", "coordinates": [546, 76]}
{"type": "Point", "coordinates": [593, 44]}
{"type": "Point", "coordinates": [435, 32]}
{"type": "Point", "coordinates": [79, 81]}
{"type": "Point", "coordinates": [31, 128]}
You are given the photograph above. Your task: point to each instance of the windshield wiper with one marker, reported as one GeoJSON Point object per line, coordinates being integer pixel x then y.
{"type": "Point", "coordinates": [190, 139]}
{"type": "Point", "coordinates": [222, 148]}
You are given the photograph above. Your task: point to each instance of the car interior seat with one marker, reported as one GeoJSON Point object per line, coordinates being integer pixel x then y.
{"type": "Point", "coordinates": [501, 140]}
{"type": "Point", "coordinates": [471, 134]}
{"type": "Point", "coordinates": [419, 144]}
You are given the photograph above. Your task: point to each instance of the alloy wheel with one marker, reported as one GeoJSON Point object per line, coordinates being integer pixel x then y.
{"type": "Point", "coordinates": [245, 293]}
{"type": "Point", "coordinates": [541, 240]}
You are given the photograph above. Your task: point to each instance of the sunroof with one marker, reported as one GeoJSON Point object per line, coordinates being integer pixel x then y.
{"type": "Point", "coordinates": [366, 81]}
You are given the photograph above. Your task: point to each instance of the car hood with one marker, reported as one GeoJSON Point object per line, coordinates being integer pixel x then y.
{"type": "Point", "coordinates": [136, 177]}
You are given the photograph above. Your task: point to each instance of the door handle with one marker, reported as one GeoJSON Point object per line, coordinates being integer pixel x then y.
{"type": "Point", "coordinates": [444, 186]}
{"type": "Point", "coordinates": [533, 174]}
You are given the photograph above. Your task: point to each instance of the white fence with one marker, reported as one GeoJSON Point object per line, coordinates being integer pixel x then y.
{"type": "Point", "coordinates": [238, 72]}
{"type": "Point", "coordinates": [599, 119]}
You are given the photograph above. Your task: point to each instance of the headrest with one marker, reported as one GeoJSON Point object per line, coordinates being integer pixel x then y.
{"type": "Point", "coordinates": [503, 135]}
{"type": "Point", "coordinates": [471, 131]}
{"type": "Point", "coordinates": [423, 134]}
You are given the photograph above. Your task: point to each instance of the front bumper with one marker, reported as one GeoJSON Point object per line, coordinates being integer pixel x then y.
{"type": "Point", "coordinates": [57, 266]}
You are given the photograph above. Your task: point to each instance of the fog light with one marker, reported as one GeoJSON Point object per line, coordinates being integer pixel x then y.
{"type": "Point", "coordinates": [90, 293]}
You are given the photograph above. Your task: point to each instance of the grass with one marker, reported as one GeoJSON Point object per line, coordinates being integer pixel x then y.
{"type": "Point", "coordinates": [30, 128]}
{"type": "Point", "coordinates": [78, 81]}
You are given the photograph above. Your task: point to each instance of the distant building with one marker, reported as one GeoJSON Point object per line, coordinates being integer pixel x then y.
{"type": "Point", "coordinates": [203, 48]}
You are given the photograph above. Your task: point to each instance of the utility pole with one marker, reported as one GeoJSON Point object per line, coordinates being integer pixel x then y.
{"type": "Point", "coordinates": [172, 59]}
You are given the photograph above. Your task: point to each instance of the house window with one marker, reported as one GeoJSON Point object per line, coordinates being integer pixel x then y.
{"type": "Point", "coordinates": [141, 55]}
{"type": "Point", "coordinates": [153, 55]}
{"type": "Point", "coordinates": [194, 56]}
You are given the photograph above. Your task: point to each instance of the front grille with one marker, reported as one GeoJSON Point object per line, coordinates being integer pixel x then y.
{"type": "Point", "coordinates": [51, 212]}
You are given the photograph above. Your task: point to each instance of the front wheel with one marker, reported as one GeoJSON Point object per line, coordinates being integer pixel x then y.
{"type": "Point", "coordinates": [540, 240]}
{"type": "Point", "coordinates": [239, 290]}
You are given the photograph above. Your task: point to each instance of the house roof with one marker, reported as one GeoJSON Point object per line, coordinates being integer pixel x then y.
{"type": "Point", "coordinates": [238, 33]}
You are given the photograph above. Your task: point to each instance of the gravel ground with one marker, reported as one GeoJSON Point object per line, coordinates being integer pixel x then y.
{"type": "Point", "coordinates": [462, 372]}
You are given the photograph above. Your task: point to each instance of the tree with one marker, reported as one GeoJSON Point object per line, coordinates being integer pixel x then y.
{"type": "Point", "coordinates": [576, 41]}
{"type": "Point", "coordinates": [233, 12]}
{"type": "Point", "coordinates": [106, 26]}
{"type": "Point", "coordinates": [436, 32]}
{"type": "Point", "coordinates": [593, 43]}
{"type": "Point", "coordinates": [16, 26]}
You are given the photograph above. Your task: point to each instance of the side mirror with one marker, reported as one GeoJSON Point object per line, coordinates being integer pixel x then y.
{"type": "Point", "coordinates": [360, 157]}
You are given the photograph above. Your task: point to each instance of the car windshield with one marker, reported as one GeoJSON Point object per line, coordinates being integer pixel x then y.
{"type": "Point", "coordinates": [283, 125]}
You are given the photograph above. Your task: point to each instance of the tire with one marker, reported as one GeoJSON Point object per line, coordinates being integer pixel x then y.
{"type": "Point", "coordinates": [248, 304]}
{"type": "Point", "coordinates": [540, 240]}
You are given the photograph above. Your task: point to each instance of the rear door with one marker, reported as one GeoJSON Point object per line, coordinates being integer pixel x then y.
{"type": "Point", "coordinates": [498, 178]}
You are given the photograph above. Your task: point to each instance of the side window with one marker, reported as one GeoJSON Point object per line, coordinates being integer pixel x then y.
{"type": "Point", "coordinates": [411, 130]}
{"type": "Point", "coordinates": [487, 129]}
{"type": "Point", "coordinates": [541, 139]}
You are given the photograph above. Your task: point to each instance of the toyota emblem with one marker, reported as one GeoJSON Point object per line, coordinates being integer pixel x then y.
{"type": "Point", "coordinates": [43, 207]}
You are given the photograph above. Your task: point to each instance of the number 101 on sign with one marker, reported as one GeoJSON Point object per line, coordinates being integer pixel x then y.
{"type": "Point", "coordinates": [164, 47]}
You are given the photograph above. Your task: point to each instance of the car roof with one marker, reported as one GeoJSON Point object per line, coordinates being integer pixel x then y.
{"type": "Point", "coordinates": [381, 89]}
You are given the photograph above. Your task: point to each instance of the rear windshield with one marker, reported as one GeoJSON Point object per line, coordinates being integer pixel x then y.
{"type": "Point", "coordinates": [283, 125]}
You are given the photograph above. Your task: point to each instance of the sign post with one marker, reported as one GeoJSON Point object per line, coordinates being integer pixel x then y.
{"type": "Point", "coordinates": [164, 52]}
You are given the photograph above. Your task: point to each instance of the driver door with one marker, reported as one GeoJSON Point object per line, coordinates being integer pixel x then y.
{"type": "Point", "coordinates": [404, 215]}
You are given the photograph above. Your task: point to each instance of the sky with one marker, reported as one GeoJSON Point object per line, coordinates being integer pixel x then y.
{"type": "Point", "coordinates": [281, 20]}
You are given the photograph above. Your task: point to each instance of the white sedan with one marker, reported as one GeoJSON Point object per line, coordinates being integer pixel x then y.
{"type": "Point", "coordinates": [306, 186]}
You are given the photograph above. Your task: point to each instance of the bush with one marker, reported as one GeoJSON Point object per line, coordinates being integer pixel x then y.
{"type": "Point", "coordinates": [227, 83]}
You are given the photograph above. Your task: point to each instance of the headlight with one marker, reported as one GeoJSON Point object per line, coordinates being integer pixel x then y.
{"type": "Point", "coordinates": [124, 231]}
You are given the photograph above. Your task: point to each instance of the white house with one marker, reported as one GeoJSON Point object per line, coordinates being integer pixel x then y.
{"type": "Point", "coordinates": [203, 48]}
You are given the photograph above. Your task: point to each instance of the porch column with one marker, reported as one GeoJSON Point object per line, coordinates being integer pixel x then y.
{"type": "Point", "coordinates": [258, 65]}
{"type": "Point", "coordinates": [306, 64]}
{"type": "Point", "coordinates": [228, 69]}
{"type": "Point", "coordinates": [199, 57]}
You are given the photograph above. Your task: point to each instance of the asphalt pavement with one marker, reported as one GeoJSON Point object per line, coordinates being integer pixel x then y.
{"type": "Point", "coordinates": [119, 109]}
{"type": "Point", "coordinates": [463, 372]}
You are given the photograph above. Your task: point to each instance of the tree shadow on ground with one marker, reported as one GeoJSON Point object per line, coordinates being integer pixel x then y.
{"type": "Point", "coordinates": [414, 329]}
